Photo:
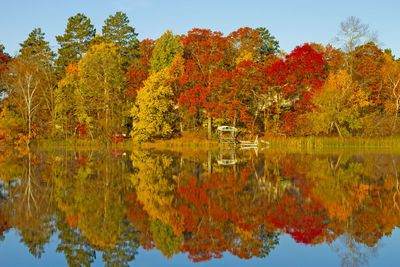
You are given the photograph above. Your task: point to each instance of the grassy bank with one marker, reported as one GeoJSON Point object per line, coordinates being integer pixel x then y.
{"type": "Point", "coordinates": [199, 142]}
{"type": "Point", "coordinates": [334, 143]}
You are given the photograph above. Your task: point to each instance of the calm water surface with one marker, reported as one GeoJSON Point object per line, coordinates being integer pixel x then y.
{"type": "Point", "coordinates": [199, 208]}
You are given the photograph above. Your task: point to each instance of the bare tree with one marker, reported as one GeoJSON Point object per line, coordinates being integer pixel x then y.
{"type": "Point", "coordinates": [354, 33]}
{"type": "Point", "coordinates": [23, 85]}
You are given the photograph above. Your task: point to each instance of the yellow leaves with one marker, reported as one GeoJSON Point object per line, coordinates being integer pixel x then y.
{"type": "Point", "coordinates": [359, 98]}
{"type": "Point", "coordinates": [360, 192]}
{"type": "Point", "coordinates": [153, 107]}
{"type": "Point", "coordinates": [245, 56]}
{"type": "Point", "coordinates": [390, 107]}
{"type": "Point", "coordinates": [339, 82]}
{"type": "Point", "coordinates": [340, 211]}
{"type": "Point", "coordinates": [177, 66]}
{"type": "Point", "coordinates": [244, 233]}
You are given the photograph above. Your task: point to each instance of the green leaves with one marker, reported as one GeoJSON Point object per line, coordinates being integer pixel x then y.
{"type": "Point", "coordinates": [116, 30]}
{"type": "Point", "coordinates": [35, 48]}
{"type": "Point", "coordinates": [75, 41]}
{"type": "Point", "coordinates": [270, 44]}
{"type": "Point", "coordinates": [167, 47]}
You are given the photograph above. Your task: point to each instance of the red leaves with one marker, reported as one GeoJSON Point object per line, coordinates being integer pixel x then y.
{"type": "Point", "coordinates": [299, 75]}
{"type": "Point", "coordinates": [301, 71]}
{"type": "Point", "coordinates": [117, 138]}
{"type": "Point", "coordinates": [135, 80]}
{"type": "Point", "coordinates": [139, 71]}
{"type": "Point", "coordinates": [204, 56]}
{"type": "Point", "coordinates": [81, 129]}
{"type": "Point", "coordinates": [3, 61]}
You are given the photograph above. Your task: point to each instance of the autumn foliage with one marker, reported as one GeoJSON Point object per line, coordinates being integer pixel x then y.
{"type": "Point", "coordinates": [195, 82]}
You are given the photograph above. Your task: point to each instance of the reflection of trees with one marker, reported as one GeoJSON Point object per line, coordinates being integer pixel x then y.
{"type": "Point", "coordinates": [125, 249]}
{"type": "Point", "coordinates": [358, 193]}
{"type": "Point", "coordinates": [174, 203]}
{"type": "Point", "coordinates": [354, 253]}
{"type": "Point", "coordinates": [73, 244]}
{"type": "Point", "coordinates": [29, 205]}
{"type": "Point", "coordinates": [155, 184]}
{"type": "Point", "coordinates": [208, 205]}
{"type": "Point", "coordinates": [90, 192]}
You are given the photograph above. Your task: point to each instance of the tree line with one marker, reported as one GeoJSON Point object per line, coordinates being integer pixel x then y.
{"type": "Point", "coordinates": [100, 86]}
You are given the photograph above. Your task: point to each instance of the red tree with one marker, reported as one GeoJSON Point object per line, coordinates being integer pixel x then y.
{"type": "Point", "coordinates": [139, 70]}
{"type": "Point", "coordinates": [205, 54]}
{"type": "Point", "coordinates": [299, 76]}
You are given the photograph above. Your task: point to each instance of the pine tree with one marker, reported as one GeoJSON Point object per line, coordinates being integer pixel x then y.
{"type": "Point", "coordinates": [75, 41]}
{"type": "Point", "coordinates": [270, 44]}
{"type": "Point", "coordinates": [116, 30]}
{"type": "Point", "coordinates": [35, 48]}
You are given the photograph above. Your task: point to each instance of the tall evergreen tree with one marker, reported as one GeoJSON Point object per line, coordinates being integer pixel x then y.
{"type": "Point", "coordinates": [75, 41]}
{"type": "Point", "coordinates": [36, 49]}
{"type": "Point", "coordinates": [116, 30]}
{"type": "Point", "coordinates": [270, 44]}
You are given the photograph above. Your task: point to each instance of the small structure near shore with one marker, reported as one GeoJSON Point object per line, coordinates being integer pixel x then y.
{"type": "Point", "coordinates": [227, 156]}
{"type": "Point", "coordinates": [226, 134]}
{"type": "Point", "coordinates": [249, 144]}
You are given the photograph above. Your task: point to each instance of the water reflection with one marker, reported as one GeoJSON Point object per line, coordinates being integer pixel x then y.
{"type": "Point", "coordinates": [203, 204]}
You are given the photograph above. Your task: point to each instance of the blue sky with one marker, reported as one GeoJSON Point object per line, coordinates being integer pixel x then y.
{"type": "Point", "coordinates": [291, 22]}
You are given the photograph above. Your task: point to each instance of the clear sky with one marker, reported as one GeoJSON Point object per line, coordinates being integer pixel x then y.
{"type": "Point", "coordinates": [292, 22]}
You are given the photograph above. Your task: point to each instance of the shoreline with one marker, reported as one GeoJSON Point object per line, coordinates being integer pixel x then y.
{"type": "Point", "coordinates": [270, 143]}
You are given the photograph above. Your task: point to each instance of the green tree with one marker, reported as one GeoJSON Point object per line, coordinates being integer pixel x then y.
{"type": "Point", "coordinates": [165, 238]}
{"type": "Point", "coordinates": [270, 44]}
{"type": "Point", "coordinates": [116, 30]}
{"type": "Point", "coordinates": [36, 48]}
{"type": "Point", "coordinates": [73, 244]}
{"type": "Point", "coordinates": [167, 47]}
{"type": "Point", "coordinates": [100, 89]}
{"type": "Point", "coordinates": [75, 41]}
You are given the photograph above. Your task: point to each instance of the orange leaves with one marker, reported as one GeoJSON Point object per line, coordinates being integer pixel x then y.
{"type": "Point", "coordinates": [368, 60]}
{"type": "Point", "coordinates": [72, 69]}
{"type": "Point", "coordinates": [139, 71]}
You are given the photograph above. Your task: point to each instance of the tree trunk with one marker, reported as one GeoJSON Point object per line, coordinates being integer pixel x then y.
{"type": "Point", "coordinates": [209, 162]}
{"type": "Point", "coordinates": [209, 128]}
{"type": "Point", "coordinates": [395, 117]}
{"type": "Point", "coordinates": [338, 129]}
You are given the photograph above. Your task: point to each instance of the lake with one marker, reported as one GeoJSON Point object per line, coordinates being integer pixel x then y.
{"type": "Point", "coordinates": [220, 207]}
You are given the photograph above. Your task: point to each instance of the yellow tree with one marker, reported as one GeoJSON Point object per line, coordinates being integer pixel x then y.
{"type": "Point", "coordinates": [154, 107]}
{"type": "Point", "coordinates": [337, 105]}
{"type": "Point", "coordinates": [101, 89]}
{"type": "Point", "coordinates": [65, 100]}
